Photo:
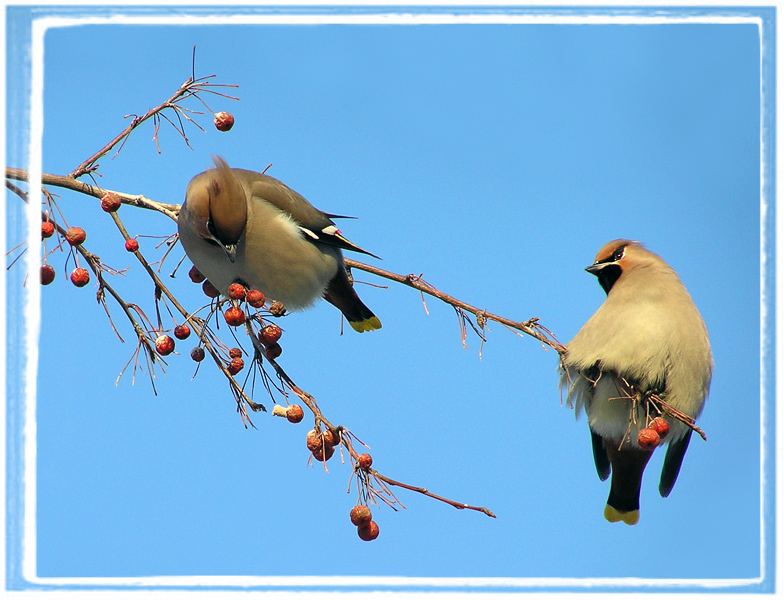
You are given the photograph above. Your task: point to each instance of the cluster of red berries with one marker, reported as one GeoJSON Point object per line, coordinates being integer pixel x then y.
{"type": "Point", "coordinates": [322, 443]}
{"type": "Point", "coordinates": [367, 528]}
{"type": "Point", "coordinates": [75, 236]}
{"type": "Point", "coordinates": [650, 437]}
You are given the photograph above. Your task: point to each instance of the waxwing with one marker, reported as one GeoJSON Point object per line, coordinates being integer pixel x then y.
{"type": "Point", "coordinates": [240, 226]}
{"type": "Point", "coordinates": [647, 341]}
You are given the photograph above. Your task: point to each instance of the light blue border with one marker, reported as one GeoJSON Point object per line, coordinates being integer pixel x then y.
{"type": "Point", "coordinates": [19, 20]}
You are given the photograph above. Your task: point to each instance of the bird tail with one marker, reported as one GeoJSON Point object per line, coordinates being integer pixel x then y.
{"type": "Point", "coordinates": [341, 294]}
{"type": "Point", "coordinates": [628, 466]}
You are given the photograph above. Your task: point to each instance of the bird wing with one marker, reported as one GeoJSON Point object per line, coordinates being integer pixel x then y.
{"type": "Point", "coordinates": [316, 225]}
{"type": "Point", "coordinates": [672, 464]}
{"type": "Point", "coordinates": [600, 456]}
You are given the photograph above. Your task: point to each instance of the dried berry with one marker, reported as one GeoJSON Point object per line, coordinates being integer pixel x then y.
{"type": "Point", "coordinates": [80, 277]}
{"type": "Point", "coordinates": [75, 236]}
{"type": "Point", "coordinates": [164, 345]}
{"type": "Point", "coordinates": [255, 298]}
{"type": "Point", "coordinates": [368, 532]}
{"type": "Point", "coordinates": [197, 354]}
{"type": "Point", "coordinates": [236, 291]}
{"type": "Point", "coordinates": [195, 275]}
{"type": "Point", "coordinates": [273, 351]}
{"type": "Point", "coordinates": [131, 245]}
{"type": "Point", "coordinates": [313, 440]}
{"type": "Point", "coordinates": [323, 452]}
{"type": "Point", "coordinates": [648, 439]}
{"type": "Point", "coordinates": [364, 461]}
{"type": "Point", "coordinates": [235, 353]}
{"type": "Point", "coordinates": [660, 426]}
{"type": "Point", "coordinates": [209, 290]}
{"type": "Point", "coordinates": [234, 316]}
{"type": "Point", "coordinates": [110, 202]}
{"type": "Point", "coordinates": [47, 229]}
{"type": "Point", "coordinates": [235, 366]}
{"type": "Point", "coordinates": [181, 332]}
{"type": "Point", "coordinates": [331, 438]}
{"type": "Point", "coordinates": [47, 274]}
{"type": "Point", "coordinates": [294, 413]}
{"type": "Point", "coordinates": [277, 309]}
{"type": "Point", "coordinates": [360, 515]}
{"type": "Point", "coordinates": [224, 121]}
{"type": "Point", "coordinates": [270, 334]}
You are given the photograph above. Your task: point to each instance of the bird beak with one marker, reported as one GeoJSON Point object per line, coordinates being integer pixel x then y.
{"type": "Point", "coordinates": [595, 268]}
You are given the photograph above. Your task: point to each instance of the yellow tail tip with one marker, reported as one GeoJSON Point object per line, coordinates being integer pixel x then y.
{"type": "Point", "coordinates": [370, 324]}
{"type": "Point", "coordinates": [613, 515]}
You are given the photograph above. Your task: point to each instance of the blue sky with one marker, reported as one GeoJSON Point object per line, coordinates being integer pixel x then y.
{"type": "Point", "coordinates": [493, 159]}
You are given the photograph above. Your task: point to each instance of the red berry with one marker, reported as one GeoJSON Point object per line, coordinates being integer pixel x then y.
{"type": "Point", "coordinates": [224, 121]}
{"type": "Point", "coordinates": [270, 334]}
{"type": "Point", "coordinates": [234, 316]}
{"type": "Point", "coordinates": [75, 236]}
{"type": "Point", "coordinates": [236, 291]}
{"type": "Point", "coordinates": [47, 229]}
{"type": "Point", "coordinates": [323, 452]}
{"type": "Point", "coordinates": [181, 332]}
{"type": "Point", "coordinates": [273, 351]}
{"type": "Point", "coordinates": [660, 426]}
{"type": "Point", "coordinates": [195, 275]}
{"type": "Point", "coordinates": [294, 413]}
{"type": "Point", "coordinates": [80, 277]}
{"type": "Point", "coordinates": [648, 439]}
{"type": "Point", "coordinates": [331, 438]}
{"type": "Point", "coordinates": [368, 532]}
{"type": "Point", "coordinates": [209, 290]}
{"type": "Point", "coordinates": [235, 353]}
{"type": "Point", "coordinates": [47, 274]}
{"type": "Point", "coordinates": [255, 298]}
{"type": "Point", "coordinates": [197, 354]}
{"type": "Point", "coordinates": [365, 460]}
{"type": "Point", "coordinates": [313, 440]}
{"type": "Point", "coordinates": [235, 366]}
{"type": "Point", "coordinates": [164, 345]}
{"type": "Point", "coordinates": [360, 515]}
{"type": "Point", "coordinates": [131, 245]}
{"type": "Point", "coordinates": [110, 202]}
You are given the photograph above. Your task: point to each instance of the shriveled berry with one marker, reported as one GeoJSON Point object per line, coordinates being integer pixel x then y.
{"type": "Point", "coordinates": [80, 277]}
{"type": "Point", "coordinates": [368, 532]}
{"type": "Point", "coordinates": [181, 332]}
{"type": "Point", "coordinates": [313, 440]}
{"type": "Point", "coordinates": [331, 438]}
{"type": "Point", "coordinates": [277, 309]}
{"type": "Point", "coordinates": [234, 316]}
{"type": "Point", "coordinates": [197, 354]}
{"type": "Point", "coordinates": [110, 202]}
{"type": "Point", "coordinates": [47, 229]}
{"type": "Point", "coordinates": [648, 439]}
{"type": "Point", "coordinates": [660, 426]}
{"type": "Point", "coordinates": [224, 121]}
{"type": "Point", "coordinates": [75, 236]}
{"type": "Point", "coordinates": [360, 515]}
{"type": "Point", "coordinates": [236, 291]}
{"type": "Point", "coordinates": [131, 245]}
{"type": "Point", "coordinates": [164, 345]}
{"type": "Point", "coordinates": [270, 334]}
{"type": "Point", "coordinates": [47, 274]}
{"type": "Point", "coordinates": [323, 452]}
{"type": "Point", "coordinates": [209, 290]}
{"type": "Point", "coordinates": [235, 353]}
{"type": "Point", "coordinates": [294, 413]}
{"type": "Point", "coordinates": [365, 460]}
{"type": "Point", "coordinates": [235, 366]}
{"type": "Point", "coordinates": [273, 351]}
{"type": "Point", "coordinates": [195, 275]}
{"type": "Point", "coordinates": [255, 298]}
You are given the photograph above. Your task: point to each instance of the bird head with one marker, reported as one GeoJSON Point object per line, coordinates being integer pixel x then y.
{"type": "Point", "coordinates": [615, 258]}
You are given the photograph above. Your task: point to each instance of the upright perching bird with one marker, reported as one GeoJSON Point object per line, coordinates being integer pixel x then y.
{"type": "Point", "coordinates": [240, 226]}
{"type": "Point", "coordinates": [647, 339]}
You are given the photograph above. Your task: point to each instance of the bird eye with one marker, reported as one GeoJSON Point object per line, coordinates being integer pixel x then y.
{"type": "Point", "coordinates": [618, 254]}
